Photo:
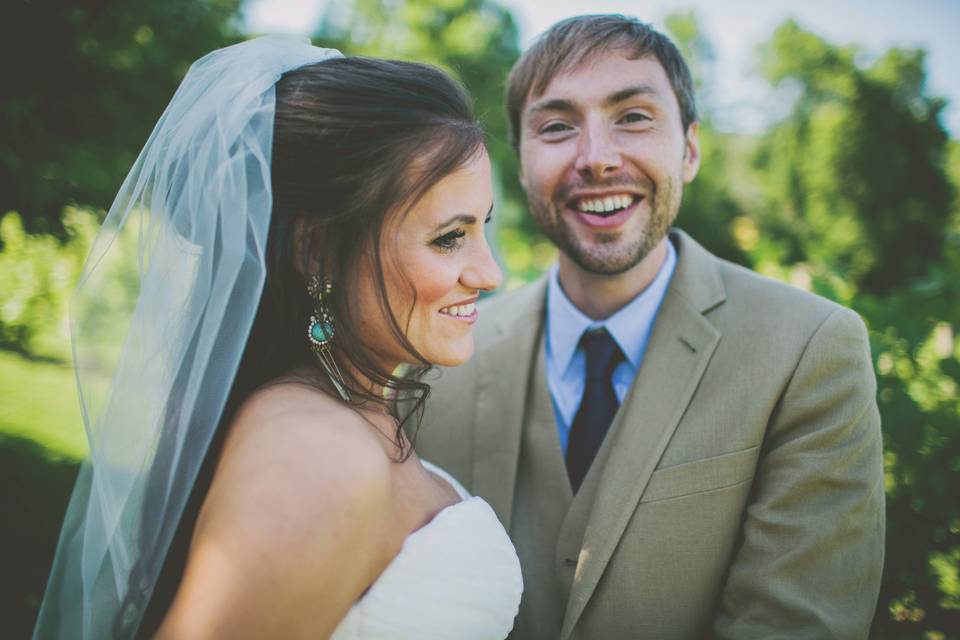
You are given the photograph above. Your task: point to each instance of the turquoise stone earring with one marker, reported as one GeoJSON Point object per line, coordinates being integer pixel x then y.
{"type": "Point", "coordinates": [320, 333]}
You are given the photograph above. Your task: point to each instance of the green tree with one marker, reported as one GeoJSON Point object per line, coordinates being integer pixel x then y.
{"type": "Point", "coordinates": [855, 178]}
{"type": "Point", "coordinates": [38, 273]}
{"type": "Point", "coordinates": [913, 332]}
{"type": "Point", "coordinates": [83, 84]}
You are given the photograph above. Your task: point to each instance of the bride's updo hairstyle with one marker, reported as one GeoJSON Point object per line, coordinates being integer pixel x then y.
{"type": "Point", "coordinates": [355, 142]}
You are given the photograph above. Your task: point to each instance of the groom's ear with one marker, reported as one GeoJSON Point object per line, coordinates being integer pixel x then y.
{"type": "Point", "coordinates": [691, 152]}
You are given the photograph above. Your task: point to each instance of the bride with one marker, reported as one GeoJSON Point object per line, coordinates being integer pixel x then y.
{"type": "Point", "coordinates": [299, 226]}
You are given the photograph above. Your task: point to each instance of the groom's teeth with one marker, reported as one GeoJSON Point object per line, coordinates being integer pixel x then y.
{"type": "Point", "coordinates": [605, 204]}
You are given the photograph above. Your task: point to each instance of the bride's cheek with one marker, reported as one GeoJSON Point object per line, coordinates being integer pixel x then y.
{"type": "Point", "coordinates": [436, 282]}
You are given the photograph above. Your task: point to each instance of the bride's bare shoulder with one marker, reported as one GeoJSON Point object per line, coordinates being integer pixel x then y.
{"type": "Point", "coordinates": [298, 439]}
{"type": "Point", "coordinates": [301, 493]}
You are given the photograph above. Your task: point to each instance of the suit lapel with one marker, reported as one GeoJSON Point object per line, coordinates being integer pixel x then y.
{"type": "Point", "coordinates": [680, 347]}
{"type": "Point", "coordinates": [502, 386]}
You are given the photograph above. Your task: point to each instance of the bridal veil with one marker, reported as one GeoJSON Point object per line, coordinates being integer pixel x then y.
{"type": "Point", "coordinates": [158, 324]}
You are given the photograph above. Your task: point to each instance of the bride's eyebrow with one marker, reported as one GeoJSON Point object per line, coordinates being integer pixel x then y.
{"type": "Point", "coordinates": [462, 218]}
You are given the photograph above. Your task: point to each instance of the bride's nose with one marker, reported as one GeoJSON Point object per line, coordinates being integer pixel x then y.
{"type": "Point", "coordinates": [482, 271]}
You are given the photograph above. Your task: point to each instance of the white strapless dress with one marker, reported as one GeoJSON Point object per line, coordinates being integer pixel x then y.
{"type": "Point", "coordinates": [456, 578]}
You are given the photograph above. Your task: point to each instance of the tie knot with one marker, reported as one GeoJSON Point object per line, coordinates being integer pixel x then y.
{"type": "Point", "coordinates": [603, 354]}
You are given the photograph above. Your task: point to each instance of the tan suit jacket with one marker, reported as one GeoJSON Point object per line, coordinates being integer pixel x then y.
{"type": "Point", "coordinates": [739, 492]}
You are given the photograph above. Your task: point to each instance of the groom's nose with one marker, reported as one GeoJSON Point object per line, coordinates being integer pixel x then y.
{"type": "Point", "coordinates": [598, 155]}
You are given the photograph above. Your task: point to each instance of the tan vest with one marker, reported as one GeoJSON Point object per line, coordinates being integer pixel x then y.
{"type": "Point", "coordinates": [548, 521]}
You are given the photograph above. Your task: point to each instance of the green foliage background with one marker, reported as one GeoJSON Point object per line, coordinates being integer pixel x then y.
{"type": "Point", "coordinates": [852, 195]}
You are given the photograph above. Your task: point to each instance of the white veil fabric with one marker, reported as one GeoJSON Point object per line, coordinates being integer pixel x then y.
{"type": "Point", "coordinates": [159, 322]}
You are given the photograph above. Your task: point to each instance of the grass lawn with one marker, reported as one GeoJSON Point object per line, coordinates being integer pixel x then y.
{"type": "Point", "coordinates": [38, 402]}
{"type": "Point", "coordinates": [41, 443]}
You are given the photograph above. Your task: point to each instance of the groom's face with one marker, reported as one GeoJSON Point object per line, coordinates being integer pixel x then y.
{"type": "Point", "coordinates": [604, 157]}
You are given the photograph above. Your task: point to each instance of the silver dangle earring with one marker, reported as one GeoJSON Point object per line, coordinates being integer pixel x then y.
{"type": "Point", "coordinates": [320, 332]}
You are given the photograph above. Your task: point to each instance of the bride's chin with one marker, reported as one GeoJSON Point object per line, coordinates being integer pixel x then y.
{"type": "Point", "coordinates": [459, 359]}
{"type": "Point", "coordinates": [449, 354]}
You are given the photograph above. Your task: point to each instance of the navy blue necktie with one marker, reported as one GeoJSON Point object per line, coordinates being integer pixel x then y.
{"type": "Point", "coordinates": [598, 406]}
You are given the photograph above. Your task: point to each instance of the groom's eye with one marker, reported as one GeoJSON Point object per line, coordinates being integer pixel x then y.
{"type": "Point", "coordinates": [555, 127]}
{"type": "Point", "coordinates": [635, 116]}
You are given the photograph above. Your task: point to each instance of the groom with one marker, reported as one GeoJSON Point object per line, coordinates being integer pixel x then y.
{"type": "Point", "coordinates": [679, 447]}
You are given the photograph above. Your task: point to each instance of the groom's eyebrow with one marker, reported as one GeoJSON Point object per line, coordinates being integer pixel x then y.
{"type": "Point", "coordinates": [630, 92]}
{"type": "Point", "coordinates": [562, 104]}
{"type": "Point", "coordinates": [462, 218]}
{"type": "Point", "coordinates": [554, 104]}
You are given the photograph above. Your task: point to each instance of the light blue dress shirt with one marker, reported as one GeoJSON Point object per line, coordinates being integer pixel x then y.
{"type": "Point", "coordinates": [630, 327]}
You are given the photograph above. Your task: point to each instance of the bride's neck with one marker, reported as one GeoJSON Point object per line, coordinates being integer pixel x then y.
{"type": "Point", "coordinates": [366, 393]}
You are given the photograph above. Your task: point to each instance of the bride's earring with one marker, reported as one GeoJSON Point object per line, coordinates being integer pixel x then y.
{"type": "Point", "coordinates": [320, 332]}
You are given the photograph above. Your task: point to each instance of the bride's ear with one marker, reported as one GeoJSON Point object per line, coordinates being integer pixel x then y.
{"type": "Point", "coordinates": [304, 256]}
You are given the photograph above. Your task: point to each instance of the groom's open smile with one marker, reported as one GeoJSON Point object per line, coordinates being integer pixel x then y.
{"type": "Point", "coordinates": [604, 210]}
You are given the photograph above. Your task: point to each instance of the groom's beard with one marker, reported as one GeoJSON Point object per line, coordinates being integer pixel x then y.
{"type": "Point", "coordinates": [616, 251]}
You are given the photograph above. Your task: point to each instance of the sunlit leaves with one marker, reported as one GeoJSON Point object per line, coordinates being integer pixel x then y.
{"type": "Point", "coordinates": [83, 85]}
{"type": "Point", "coordinates": [855, 176]}
{"type": "Point", "coordinates": [37, 276]}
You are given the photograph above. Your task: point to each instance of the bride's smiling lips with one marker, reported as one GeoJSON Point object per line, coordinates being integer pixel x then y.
{"type": "Point", "coordinates": [464, 311]}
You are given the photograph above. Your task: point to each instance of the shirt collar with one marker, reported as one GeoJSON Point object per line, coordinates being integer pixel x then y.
{"type": "Point", "coordinates": [629, 326]}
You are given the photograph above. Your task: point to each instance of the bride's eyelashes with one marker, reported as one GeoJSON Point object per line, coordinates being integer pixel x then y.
{"type": "Point", "coordinates": [450, 241]}
{"type": "Point", "coordinates": [453, 240]}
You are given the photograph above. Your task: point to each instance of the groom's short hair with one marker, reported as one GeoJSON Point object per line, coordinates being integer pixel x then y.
{"type": "Point", "coordinates": [571, 42]}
